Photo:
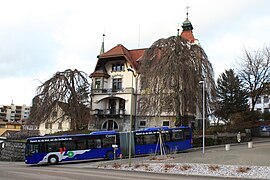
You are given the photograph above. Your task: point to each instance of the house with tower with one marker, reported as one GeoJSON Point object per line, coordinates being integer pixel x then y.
{"type": "Point", "coordinates": [116, 88]}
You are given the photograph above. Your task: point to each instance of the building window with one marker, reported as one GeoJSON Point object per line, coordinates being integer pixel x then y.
{"type": "Point", "coordinates": [60, 125]}
{"type": "Point", "coordinates": [118, 67]}
{"type": "Point", "coordinates": [166, 123]}
{"type": "Point", "coordinates": [122, 104]}
{"type": "Point", "coordinates": [265, 99]}
{"type": "Point", "coordinates": [110, 125]}
{"type": "Point", "coordinates": [54, 114]}
{"type": "Point", "coordinates": [97, 84]}
{"type": "Point", "coordinates": [259, 101]}
{"type": "Point", "coordinates": [48, 125]}
{"type": "Point", "coordinates": [142, 123]}
{"type": "Point", "coordinates": [117, 84]}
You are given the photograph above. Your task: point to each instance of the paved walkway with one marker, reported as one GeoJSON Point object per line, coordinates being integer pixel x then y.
{"type": "Point", "coordinates": [258, 155]}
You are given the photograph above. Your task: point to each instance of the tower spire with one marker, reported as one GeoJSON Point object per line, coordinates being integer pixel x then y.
{"type": "Point", "coordinates": [102, 49]}
{"type": "Point", "coordinates": [178, 30]}
{"type": "Point", "coordinates": [187, 10]}
{"type": "Point", "coordinates": [187, 29]}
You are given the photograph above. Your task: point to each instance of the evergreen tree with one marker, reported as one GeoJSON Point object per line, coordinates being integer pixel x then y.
{"type": "Point", "coordinates": [231, 96]}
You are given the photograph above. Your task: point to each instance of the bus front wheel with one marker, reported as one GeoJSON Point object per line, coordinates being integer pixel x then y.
{"type": "Point", "coordinates": [53, 159]}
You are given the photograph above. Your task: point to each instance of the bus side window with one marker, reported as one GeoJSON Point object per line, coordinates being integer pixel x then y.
{"type": "Point", "coordinates": [150, 139]}
{"type": "Point", "coordinates": [69, 145]}
{"type": "Point", "coordinates": [53, 146]}
{"type": "Point", "coordinates": [177, 136]}
{"type": "Point", "coordinates": [139, 140]}
{"type": "Point", "coordinates": [166, 137]}
{"type": "Point", "coordinates": [94, 143]}
{"type": "Point", "coordinates": [108, 142]}
{"type": "Point", "coordinates": [81, 144]}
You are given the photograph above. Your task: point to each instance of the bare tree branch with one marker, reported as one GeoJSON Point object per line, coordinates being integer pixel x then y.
{"type": "Point", "coordinates": [254, 72]}
{"type": "Point", "coordinates": [171, 70]}
{"type": "Point", "coordinates": [70, 88]}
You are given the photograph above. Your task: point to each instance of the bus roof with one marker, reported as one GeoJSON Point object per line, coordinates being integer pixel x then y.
{"type": "Point", "coordinates": [162, 128]}
{"type": "Point", "coordinates": [102, 132]}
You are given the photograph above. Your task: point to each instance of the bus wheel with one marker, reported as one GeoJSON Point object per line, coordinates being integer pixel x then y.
{"type": "Point", "coordinates": [110, 155]}
{"type": "Point", "coordinates": [53, 159]}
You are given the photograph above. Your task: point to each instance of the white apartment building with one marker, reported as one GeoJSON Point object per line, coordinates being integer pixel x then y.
{"type": "Point", "coordinates": [263, 104]}
{"type": "Point", "coordinates": [14, 113]}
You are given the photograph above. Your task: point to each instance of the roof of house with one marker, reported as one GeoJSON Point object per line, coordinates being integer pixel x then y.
{"type": "Point", "coordinates": [132, 56]}
{"type": "Point", "coordinates": [188, 35]}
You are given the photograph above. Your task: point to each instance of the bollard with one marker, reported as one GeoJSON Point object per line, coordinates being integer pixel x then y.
{"type": "Point", "coordinates": [250, 144]}
{"type": "Point", "coordinates": [227, 147]}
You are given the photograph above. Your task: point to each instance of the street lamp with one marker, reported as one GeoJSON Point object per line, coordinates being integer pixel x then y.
{"type": "Point", "coordinates": [130, 131]}
{"type": "Point", "coordinates": [203, 115]}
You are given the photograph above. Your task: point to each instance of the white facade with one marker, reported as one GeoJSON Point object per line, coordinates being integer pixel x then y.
{"type": "Point", "coordinates": [14, 113]}
{"type": "Point", "coordinates": [116, 92]}
{"type": "Point", "coordinates": [111, 97]}
{"type": "Point", "coordinates": [57, 121]}
{"type": "Point", "coordinates": [263, 104]}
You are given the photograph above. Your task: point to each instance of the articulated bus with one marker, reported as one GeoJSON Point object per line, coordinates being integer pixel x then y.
{"type": "Point", "coordinates": [106, 145]}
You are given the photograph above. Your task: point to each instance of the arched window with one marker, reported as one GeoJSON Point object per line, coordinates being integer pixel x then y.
{"type": "Point", "coordinates": [110, 125]}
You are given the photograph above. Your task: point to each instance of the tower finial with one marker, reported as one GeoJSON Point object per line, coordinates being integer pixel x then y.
{"type": "Point", "coordinates": [177, 29]}
{"type": "Point", "coordinates": [102, 49]}
{"type": "Point", "coordinates": [187, 9]}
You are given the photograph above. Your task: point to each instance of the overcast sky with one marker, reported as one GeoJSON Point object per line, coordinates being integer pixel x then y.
{"type": "Point", "coordinates": [41, 37]}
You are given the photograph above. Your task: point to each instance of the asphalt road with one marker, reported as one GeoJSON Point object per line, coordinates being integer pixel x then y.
{"type": "Point", "coordinates": [78, 171]}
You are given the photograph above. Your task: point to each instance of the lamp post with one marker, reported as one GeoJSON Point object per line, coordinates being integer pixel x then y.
{"type": "Point", "coordinates": [130, 131]}
{"type": "Point", "coordinates": [203, 114]}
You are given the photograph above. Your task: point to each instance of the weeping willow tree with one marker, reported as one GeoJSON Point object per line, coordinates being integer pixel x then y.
{"type": "Point", "coordinates": [67, 90]}
{"type": "Point", "coordinates": [171, 70]}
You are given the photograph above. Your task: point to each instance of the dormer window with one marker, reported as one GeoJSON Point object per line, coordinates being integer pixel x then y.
{"type": "Point", "coordinates": [118, 67]}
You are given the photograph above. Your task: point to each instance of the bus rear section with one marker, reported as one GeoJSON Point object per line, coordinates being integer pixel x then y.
{"type": "Point", "coordinates": [152, 140]}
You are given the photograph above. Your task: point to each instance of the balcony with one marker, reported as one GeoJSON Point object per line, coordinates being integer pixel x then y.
{"type": "Point", "coordinates": [112, 91]}
{"type": "Point", "coordinates": [109, 112]}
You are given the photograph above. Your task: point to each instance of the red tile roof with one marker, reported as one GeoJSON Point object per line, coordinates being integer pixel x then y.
{"type": "Point", "coordinates": [131, 55]}
{"type": "Point", "coordinates": [118, 50]}
{"type": "Point", "coordinates": [188, 35]}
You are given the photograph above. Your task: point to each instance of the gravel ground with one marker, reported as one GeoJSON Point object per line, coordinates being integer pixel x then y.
{"type": "Point", "coordinates": [229, 171]}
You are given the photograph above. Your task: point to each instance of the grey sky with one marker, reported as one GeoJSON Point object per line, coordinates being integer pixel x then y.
{"type": "Point", "coordinates": [40, 37]}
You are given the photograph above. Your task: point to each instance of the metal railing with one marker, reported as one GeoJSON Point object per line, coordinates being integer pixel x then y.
{"type": "Point", "coordinates": [109, 112]}
{"type": "Point", "coordinates": [111, 90]}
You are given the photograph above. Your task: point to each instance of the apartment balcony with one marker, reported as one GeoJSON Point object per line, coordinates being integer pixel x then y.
{"type": "Point", "coordinates": [112, 91]}
{"type": "Point", "coordinates": [109, 112]}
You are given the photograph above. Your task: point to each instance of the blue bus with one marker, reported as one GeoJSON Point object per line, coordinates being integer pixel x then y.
{"type": "Point", "coordinates": [152, 140]}
{"type": "Point", "coordinates": [55, 149]}
{"type": "Point", "coordinates": [260, 131]}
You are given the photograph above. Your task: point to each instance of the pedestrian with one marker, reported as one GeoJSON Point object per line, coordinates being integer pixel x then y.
{"type": "Point", "coordinates": [238, 136]}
